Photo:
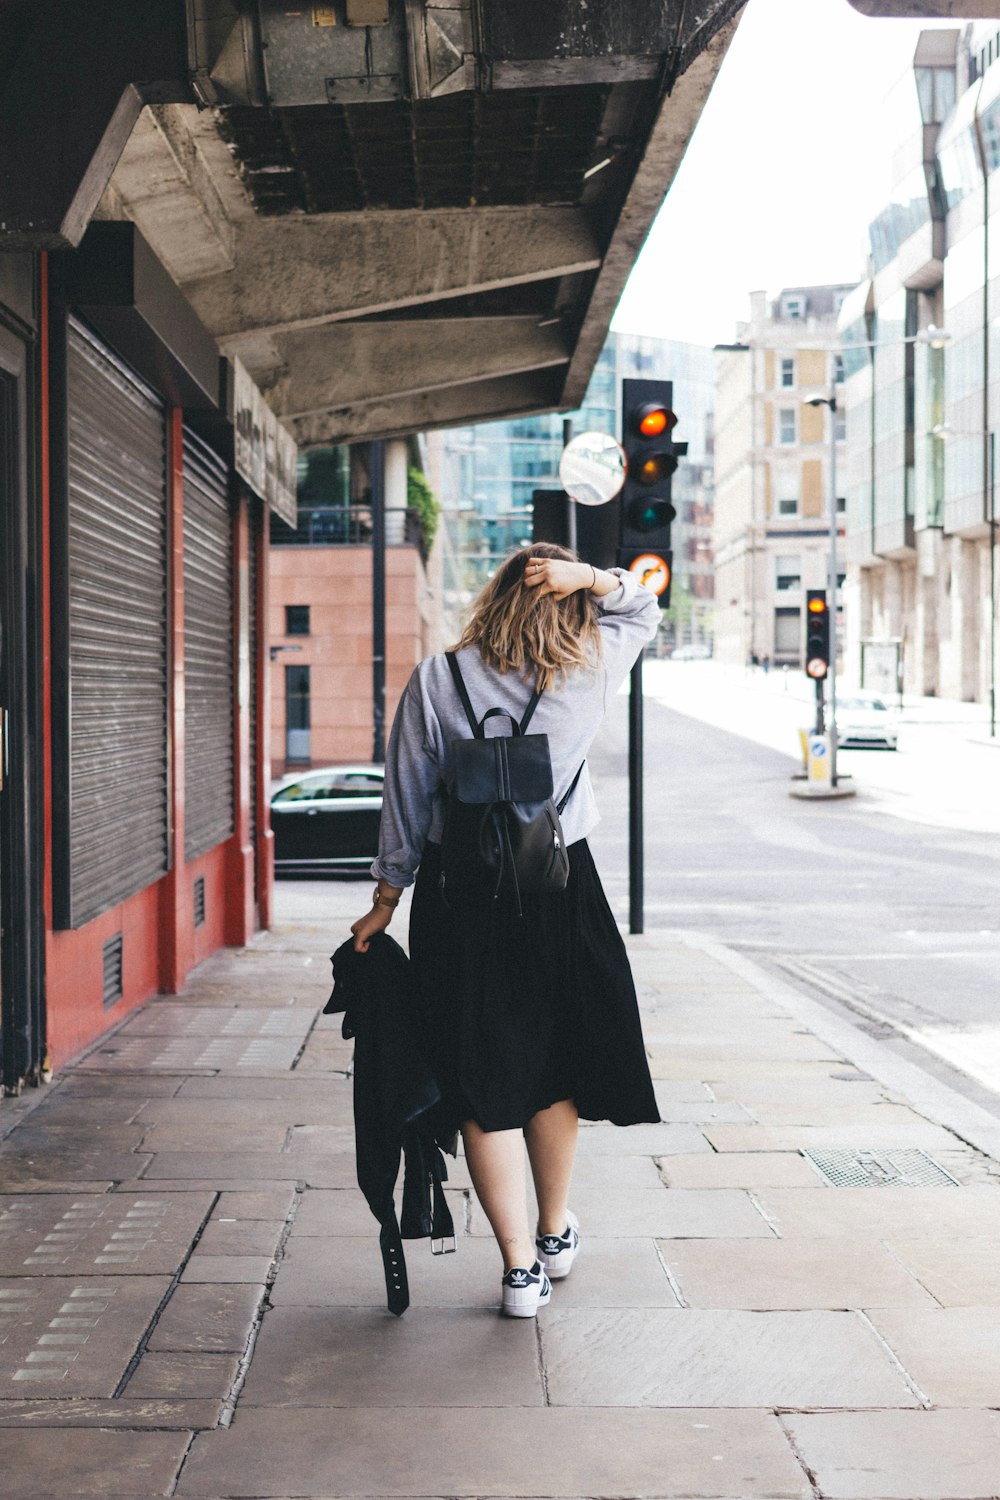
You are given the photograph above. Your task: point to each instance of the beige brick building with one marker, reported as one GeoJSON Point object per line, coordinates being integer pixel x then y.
{"type": "Point", "coordinates": [771, 533]}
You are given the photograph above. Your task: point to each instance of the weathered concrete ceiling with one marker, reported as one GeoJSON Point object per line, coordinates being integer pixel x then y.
{"type": "Point", "coordinates": [384, 264]}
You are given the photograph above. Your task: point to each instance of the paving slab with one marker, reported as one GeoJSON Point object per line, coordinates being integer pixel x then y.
{"type": "Point", "coordinates": [919, 1133]}
{"type": "Point", "coordinates": [38, 1133]}
{"type": "Point", "coordinates": [895, 1455]}
{"type": "Point", "coordinates": [716, 1111]}
{"type": "Point", "coordinates": [263, 1086]}
{"type": "Point", "coordinates": [123, 1085]}
{"type": "Point", "coordinates": [251, 1136]}
{"type": "Point", "coordinates": [322, 1170]}
{"type": "Point", "coordinates": [694, 1357]}
{"type": "Point", "coordinates": [194, 1112]}
{"type": "Point", "coordinates": [73, 1336]}
{"type": "Point", "coordinates": [341, 1356]}
{"type": "Point", "coordinates": [516, 1452]}
{"type": "Point", "coordinates": [881, 1212]}
{"type": "Point", "coordinates": [790, 1274]}
{"type": "Point", "coordinates": [183, 1375]}
{"type": "Point", "coordinates": [64, 1164]}
{"type": "Point", "coordinates": [334, 1212]}
{"type": "Point", "coordinates": [211, 1318]}
{"type": "Point", "coordinates": [640, 1140]}
{"type": "Point", "coordinates": [738, 1169]}
{"type": "Point", "coordinates": [228, 1235]}
{"type": "Point", "coordinates": [608, 1273]}
{"type": "Point", "coordinates": [181, 1414]}
{"type": "Point", "coordinates": [39, 1464]}
{"type": "Point", "coordinates": [190, 1053]}
{"type": "Point", "coordinates": [168, 1018]}
{"type": "Point", "coordinates": [220, 1269]}
{"type": "Point", "coordinates": [715, 1065]}
{"type": "Point", "coordinates": [684, 1213]}
{"type": "Point", "coordinates": [952, 1353]}
{"type": "Point", "coordinates": [128, 1233]}
{"type": "Point", "coordinates": [958, 1273]}
{"type": "Point", "coordinates": [272, 1203]}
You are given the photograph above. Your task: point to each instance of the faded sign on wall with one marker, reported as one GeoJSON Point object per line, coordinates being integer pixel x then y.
{"type": "Point", "coordinates": [265, 453]}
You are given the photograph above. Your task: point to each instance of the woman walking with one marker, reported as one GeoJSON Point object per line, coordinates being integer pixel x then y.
{"type": "Point", "coordinates": [531, 1019]}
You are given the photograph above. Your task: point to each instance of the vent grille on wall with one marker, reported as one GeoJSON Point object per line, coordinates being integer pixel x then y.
{"type": "Point", "coordinates": [199, 901]}
{"type": "Point", "coordinates": [112, 961]}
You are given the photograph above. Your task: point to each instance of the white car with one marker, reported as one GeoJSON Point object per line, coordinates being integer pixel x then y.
{"type": "Point", "coordinates": [691, 653]}
{"type": "Point", "coordinates": [864, 722]}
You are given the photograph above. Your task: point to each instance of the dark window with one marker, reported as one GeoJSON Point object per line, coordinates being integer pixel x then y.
{"type": "Point", "coordinates": [297, 714]}
{"type": "Point", "coordinates": [788, 372]}
{"type": "Point", "coordinates": [296, 619]}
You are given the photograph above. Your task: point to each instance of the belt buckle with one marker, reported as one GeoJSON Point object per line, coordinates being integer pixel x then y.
{"type": "Point", "coordinates": [441, 1246]}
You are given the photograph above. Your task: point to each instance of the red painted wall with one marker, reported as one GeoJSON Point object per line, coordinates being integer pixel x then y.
{"type": "Point", "coordinates": [160, 941]}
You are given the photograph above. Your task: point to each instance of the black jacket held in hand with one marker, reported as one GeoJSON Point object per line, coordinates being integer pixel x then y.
{"type": "Point", "coordinates": [394, 1095]}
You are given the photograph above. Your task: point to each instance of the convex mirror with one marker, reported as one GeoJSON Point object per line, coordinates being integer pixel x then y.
{"type": "Point", "coordinates": [592, 468]}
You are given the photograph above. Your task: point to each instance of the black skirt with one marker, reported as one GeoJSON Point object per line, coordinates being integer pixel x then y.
{"type": "Point", "coordinates": [521, 1012]}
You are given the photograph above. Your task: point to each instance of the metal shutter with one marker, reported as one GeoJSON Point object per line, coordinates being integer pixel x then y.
{"type": "Point", "coordinates": [208, 649]}
{"type": "Point", "coordinates": [118, 813]}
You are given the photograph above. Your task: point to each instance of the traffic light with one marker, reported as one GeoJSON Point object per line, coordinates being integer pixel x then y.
{"type": "Point", "coordinates": [817, 634]}
{"type": "Point", "coordinates": [647, 509]}
{"type": "Point", "coordinates": [596, 526]}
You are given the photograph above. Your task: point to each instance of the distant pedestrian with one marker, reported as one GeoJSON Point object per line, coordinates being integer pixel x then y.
{"type": "Point", "coordinates": [765, 662]}
{"type": "Point", "coordinates": [531, 1020]}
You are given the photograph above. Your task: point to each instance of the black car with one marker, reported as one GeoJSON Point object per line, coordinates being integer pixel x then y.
{"type": "Point", "coordinates": [327, 820]}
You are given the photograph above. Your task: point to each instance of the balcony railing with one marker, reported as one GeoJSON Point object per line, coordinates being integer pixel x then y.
{"type": "Point", "coordinates": [348, 526]}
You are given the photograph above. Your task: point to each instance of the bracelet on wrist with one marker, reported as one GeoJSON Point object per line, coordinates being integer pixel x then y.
{"type": "Point", "coordinates": [382, 900]}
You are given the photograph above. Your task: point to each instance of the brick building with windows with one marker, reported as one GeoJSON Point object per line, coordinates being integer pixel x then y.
{"type": "Point", "coordinates": [770, 530]}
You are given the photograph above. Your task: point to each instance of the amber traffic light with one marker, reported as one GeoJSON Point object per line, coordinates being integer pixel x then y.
{"type": "Point", "coordinates": [653, 420]}
{"type": "Point", "coordinates": [648, 421]}
{"type": "Point", "coordinates": [817, 634]}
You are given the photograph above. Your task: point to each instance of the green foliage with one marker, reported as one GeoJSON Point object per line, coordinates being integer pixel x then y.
{"type": "Point", "coordinates": [422, 499]}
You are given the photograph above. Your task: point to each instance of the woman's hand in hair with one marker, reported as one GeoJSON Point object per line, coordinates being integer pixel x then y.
{"type": "Point", "coordinates": [553, 575]}
{"type": "Point", "coordinates": [366, 927]}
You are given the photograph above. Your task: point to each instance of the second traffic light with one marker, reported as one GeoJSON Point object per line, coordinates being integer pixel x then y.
{"type": "Point", "coordinates": [817, 634]}
{"type": "Point", "coordinates": [647, 507]}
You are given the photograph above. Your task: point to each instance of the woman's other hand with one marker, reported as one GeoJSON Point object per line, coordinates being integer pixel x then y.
{"type": "Point", "coordinates": [366, 927]}
{"type": "Point", "coordinates": [552, 575]}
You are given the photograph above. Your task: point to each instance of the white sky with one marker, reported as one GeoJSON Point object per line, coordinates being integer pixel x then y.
{"type": "Point", "coordinates": [782, 174]}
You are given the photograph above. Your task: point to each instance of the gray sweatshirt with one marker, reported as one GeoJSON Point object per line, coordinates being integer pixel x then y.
{"type": "Point", "coordinates": [430, 716]}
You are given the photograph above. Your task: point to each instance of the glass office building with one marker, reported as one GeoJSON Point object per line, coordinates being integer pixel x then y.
{"type": "Point", "coordinates": [922, 410]}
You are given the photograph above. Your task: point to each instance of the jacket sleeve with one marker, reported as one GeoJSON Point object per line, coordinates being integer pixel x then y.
{"type": "Point", "coordinates": [412, 777]}
{"type": "Point", "coordinates": [630, 617]}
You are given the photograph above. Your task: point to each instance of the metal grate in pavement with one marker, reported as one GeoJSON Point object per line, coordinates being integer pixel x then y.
{"type": "Point", "coordinates": [887, 1168]}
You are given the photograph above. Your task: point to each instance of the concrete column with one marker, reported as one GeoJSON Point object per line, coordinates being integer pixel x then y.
{"type": "Point", "coordinates": [396, 464]}
{"type": "Point", "coordinates": [239, 919]}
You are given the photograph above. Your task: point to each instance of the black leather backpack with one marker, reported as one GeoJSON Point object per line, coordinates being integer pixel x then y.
{"type": "Point", "coordinates": [502, 836]}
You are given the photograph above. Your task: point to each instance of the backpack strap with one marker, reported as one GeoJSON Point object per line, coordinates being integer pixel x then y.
{"type": "Point", "coordinates": [572, 789]}
{"type": "Point", "coordinates": [477, 729]}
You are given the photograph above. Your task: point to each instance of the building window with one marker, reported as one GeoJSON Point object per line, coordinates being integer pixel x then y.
{"type": "Point", "coordinates": [786, 425]}
{"type": "Point", "coordinates": [840, 426]}
{"type": "Point", "coordinates": [788, 507]}
{"type": "Point", "coordinates": [841, 504]}
{"type": "Point", "coordinates": [793, 307]}
{"type": "Point", "coordinates": [296, 619]}
{"type": "Point", "coordinates": [297, 715]}
{"type": "Point", "coordinates": [840, 580]}
{"type": "Point", "coordinates": [787, 372]}
{"type": "Point", "coordinates": [838, 369]}
{"type": "Point", "coordinates": [787, 634]}
{"type": "Point", "coordinates": [788, 574]}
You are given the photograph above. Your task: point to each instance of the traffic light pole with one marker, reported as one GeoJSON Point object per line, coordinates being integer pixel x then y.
{"type": "Point", "coordinates": [567, 437]}
{"type": "Point", "coordinates": [635, 828]}
{"type": "Point", "coordinates": [831, 588]}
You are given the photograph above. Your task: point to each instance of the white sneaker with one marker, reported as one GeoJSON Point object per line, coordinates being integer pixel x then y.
{"type": "Point", "coordinates": [523, 1292]}
{"type": "Point", "coordinates": [557, 1252]}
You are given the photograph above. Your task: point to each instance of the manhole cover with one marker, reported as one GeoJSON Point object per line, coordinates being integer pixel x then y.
{"type": "Point", "coordinates": [861, 1168]}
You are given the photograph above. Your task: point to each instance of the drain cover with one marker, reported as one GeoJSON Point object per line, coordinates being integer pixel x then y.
{"type": "Point", "coordinates": [880, 1169]}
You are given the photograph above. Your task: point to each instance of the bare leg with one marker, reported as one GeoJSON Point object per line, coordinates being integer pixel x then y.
{"type": "Point", "coordinates": [551, 1137]}
{"type": "Point", "coordinates": [496, 1165]}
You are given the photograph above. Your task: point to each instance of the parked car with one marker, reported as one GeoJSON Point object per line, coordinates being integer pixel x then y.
{"type": "Point", "coordinates": [327, 820]}
{"type": "Point", "coordinates": [864, 722]}
{"type": "Point", "coordinates": [691, 653]}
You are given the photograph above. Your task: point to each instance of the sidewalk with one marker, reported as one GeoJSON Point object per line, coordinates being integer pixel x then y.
{"type": "Point", "coordinates": [192, 1301]}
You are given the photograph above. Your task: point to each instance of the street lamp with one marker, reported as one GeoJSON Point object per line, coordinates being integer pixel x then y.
{"type": "Point", "coordinates": [943, 432]}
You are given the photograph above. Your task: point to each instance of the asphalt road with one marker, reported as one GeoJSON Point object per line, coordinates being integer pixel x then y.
{"type": "Point", "coordinates": [889, 920]}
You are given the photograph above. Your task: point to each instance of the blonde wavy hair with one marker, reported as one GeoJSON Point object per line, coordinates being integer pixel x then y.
{"type": "Point", "coordinates": [537, 636]}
